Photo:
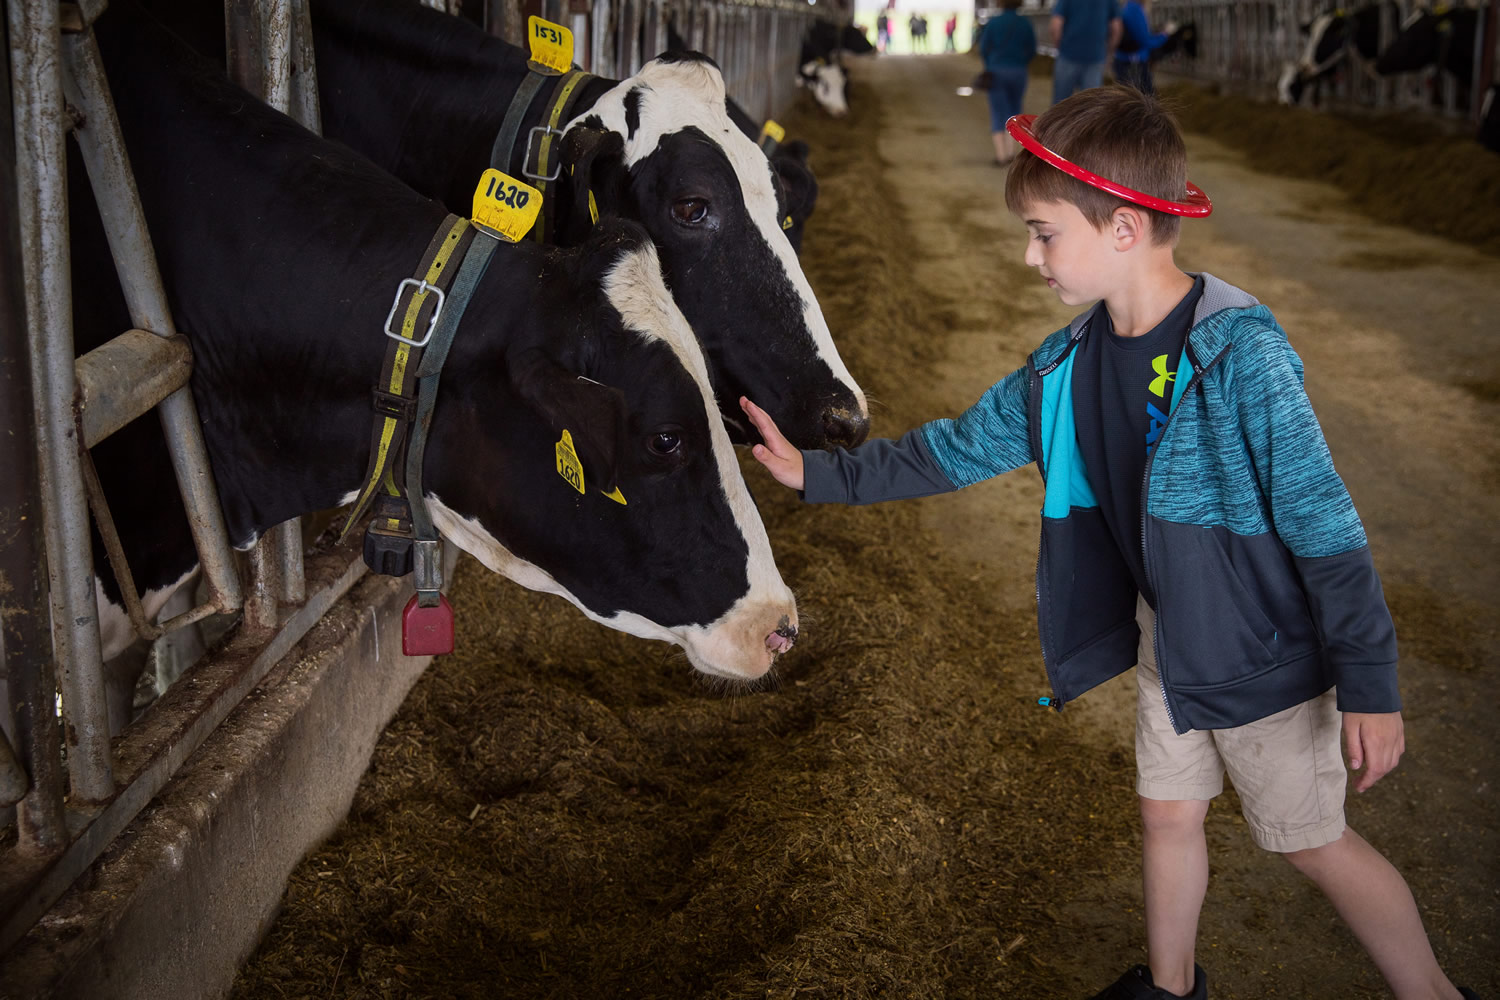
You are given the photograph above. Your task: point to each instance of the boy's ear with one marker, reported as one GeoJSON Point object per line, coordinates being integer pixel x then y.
{"type": "Point", "coordinates": [592, 413]}
{"type": "Point", "coordinates": [594, 159]}
{"type": "Point", "coordinates": [1128, 226]}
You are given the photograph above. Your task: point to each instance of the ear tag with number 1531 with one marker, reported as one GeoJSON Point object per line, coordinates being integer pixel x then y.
{"type": "Point", "coordinates": [551, 46]}
{"type": "Point", "coordinates": [504, 206]}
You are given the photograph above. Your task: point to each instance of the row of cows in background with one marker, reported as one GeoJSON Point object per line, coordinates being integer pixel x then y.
{"type": "Point", "coordinates": [670, 287]}
{"type": "Point", "coordinates": [1446, 40]}
{"type": "Point", "coordinates": [1341, 39]}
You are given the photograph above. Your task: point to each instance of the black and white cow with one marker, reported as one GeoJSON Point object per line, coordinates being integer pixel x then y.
{"type": "Point", "coordinates": [820, 67]}
{"type": "Point", "coordinates": [1441, 37]}
{"type": "Point", "coordinates": [424, 96]}
{"type": "Point", "coordinates": [280, 253]}
{"type": "Point", "coordinates": [1330, 41]}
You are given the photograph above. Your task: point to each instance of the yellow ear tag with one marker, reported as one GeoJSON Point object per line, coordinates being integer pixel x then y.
{"type": "Point", "coordinates": [593, 208]}
{"type": "Point", "coordinates": [504, 206]}
{"type": "Point", "coordinates": [616, 496]}
{"type": "Point", "coordinates": [568, 465]}
{"type": "Point", "coordinates": [775, 131]}
{"type": "Point", "coordinates": [551, 46]}
{"type": "Point", "coordinates": [786, 223]}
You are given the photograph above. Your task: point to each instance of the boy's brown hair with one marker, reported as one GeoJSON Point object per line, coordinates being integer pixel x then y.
{"type": "Point", "coordinates": [1118, 133]}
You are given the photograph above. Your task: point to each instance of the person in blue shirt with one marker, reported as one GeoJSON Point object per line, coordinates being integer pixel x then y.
{"type": "Point", "coordinates": [1006, 44]}
{"type": "Point", "coordinates": [1084, 32]}
{"type": "Point", "coordinates": [1138, 44]}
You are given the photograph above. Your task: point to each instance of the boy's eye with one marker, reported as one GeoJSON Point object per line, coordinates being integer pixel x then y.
{"type": "Point", "coordinates": [1043, 237]}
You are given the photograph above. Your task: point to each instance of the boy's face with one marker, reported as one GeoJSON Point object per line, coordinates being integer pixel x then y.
{"type": "Point", "coordinates": [1078, 261]}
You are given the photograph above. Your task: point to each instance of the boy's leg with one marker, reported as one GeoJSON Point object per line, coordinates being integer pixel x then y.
{"type": "Point", "coordinates": [1174, 874]}
{"type": "Point", "coordinates": [1375, 902]}
{"type": "Point", "coordinates": [1176, 777]}
{"type": "Point", "coordinates": [1289, 771]}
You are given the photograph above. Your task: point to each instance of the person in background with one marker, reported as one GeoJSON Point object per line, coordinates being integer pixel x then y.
{"type": "Point", "coordinates": [882, 32]}
{"type": "Point", "coordinates": [1137, 46]}
{"type": "Point", "coordinates": [1007, 45]}
{"type": "Point", "coordinates": [949, 27]}
{"type": "Point", "coordinates": [1084, 32]}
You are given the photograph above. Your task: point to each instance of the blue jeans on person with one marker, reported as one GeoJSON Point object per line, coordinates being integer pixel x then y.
{"type": "Point", "coordinates": [1069, 77]}
{"type": "Point", "coordinates": [1135, 73]}
{"type": "Point", "coordinates": [1005, 95]}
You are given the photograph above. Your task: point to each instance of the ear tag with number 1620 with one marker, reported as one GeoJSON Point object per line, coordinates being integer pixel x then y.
{"type": "Point", "coordinates": [504, 206]}
{"type": "Point", "coordinates": [551, 46]}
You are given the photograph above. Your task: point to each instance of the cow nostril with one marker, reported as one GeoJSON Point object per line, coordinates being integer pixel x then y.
{"type": "Point", "coordinates": [844, 429]}
{"type": "Point", "coordinates": [783, 638]}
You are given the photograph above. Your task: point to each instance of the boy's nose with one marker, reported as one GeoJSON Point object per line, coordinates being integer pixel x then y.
{"type": "Point", "coordinates": [1033, 254]}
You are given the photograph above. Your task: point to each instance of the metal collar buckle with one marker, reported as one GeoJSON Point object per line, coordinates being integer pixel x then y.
{"type": "Point", "coordinates": [526, 170]}
{"type": "Point", "coordinates": [419, 287]}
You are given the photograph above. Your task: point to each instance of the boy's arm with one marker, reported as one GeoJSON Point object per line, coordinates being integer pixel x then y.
{"type": "Point", "coordinates": [985, 440]}
{"type": "Point", "coordinates": [1313, 515]}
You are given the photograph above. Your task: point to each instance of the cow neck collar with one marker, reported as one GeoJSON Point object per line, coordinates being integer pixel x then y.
{"type": "Point", "coordinates": [430, 306]}
{"type": "Point", "coordinates": [539, 163]}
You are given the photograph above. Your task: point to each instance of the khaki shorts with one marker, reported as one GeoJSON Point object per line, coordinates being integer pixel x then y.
{"type": "Point", "coordinates": [1288, 768]}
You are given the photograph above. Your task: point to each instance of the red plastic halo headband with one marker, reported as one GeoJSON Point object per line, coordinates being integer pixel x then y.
{"type": "Point", "coordinates": [1195, 206]}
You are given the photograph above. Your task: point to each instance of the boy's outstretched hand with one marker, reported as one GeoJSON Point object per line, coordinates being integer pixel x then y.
{"type": "Point", "coordinates": [1375, 741]}
{"type": "Point", "coordinates": [777, 454]}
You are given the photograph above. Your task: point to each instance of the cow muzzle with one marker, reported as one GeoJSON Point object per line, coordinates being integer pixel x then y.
{"type": "Point", "coordinates": [744, 643]}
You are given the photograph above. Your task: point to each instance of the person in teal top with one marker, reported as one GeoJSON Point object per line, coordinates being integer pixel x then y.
{"type": "Point", "coordinates": [1193, 530]}
{"type": "Point", "coordinates": [1007, 45]}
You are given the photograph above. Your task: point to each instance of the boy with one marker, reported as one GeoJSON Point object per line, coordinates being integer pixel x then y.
{"type": "Point", "coordinates": [1193, 527]}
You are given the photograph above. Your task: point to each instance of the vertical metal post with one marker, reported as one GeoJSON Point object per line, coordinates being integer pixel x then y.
{"type": "Point", "coordinates": [103, 149]}
{"type": "Point", "coordinates": [41, 168]}
{"type": "Point", "coordinates": [28, 684]}
{"type": "Point", "coordinates": [285, 30]}
{"type": "Point", "coordinates": [1484, 58]}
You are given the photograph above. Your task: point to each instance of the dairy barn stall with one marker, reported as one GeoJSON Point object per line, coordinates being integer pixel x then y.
{"type": "Point", "coordinates": [239, 784]}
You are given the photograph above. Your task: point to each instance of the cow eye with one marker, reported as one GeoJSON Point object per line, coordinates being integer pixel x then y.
{"type": "Point", "coordinates": [690, 211]}
{"type": "Point", "coordinates": [665, 442]}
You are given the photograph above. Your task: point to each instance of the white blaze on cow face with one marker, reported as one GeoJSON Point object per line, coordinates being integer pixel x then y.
{"type": "Point", "coordinates": [675, 95]}
{"type": "Point", "coordinates": [743, 642]}
{"type": "Point", "coordinates": [829, 85]}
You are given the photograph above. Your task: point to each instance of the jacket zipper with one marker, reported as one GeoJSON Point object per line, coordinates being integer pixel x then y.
{"type": "Point", "coordinates": [1053, 701]}
{"type": "Point", "coordinates": [1161, 672]}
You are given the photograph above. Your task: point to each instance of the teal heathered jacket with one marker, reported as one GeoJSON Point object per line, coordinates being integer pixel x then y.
{"type": "Point", "coordinates": [1266, 592]}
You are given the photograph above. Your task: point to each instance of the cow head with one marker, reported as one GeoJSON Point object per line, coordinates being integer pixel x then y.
{"type": "Point", "coordinates": [829, 85]}
{"type": "Point", "coordinates": [661, 148]}
{"type": "Point", "coordinates": [1443, 36]}
{"type": "Point", "coordinates": [663, 540]}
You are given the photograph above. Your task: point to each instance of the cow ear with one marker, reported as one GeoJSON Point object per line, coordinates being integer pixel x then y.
{"type": "Point", "coordinates": [594, 158]}
{"type": "Point", "coordinates": [790, 161]}
{"type": "Point", "coordinates": [592, 413]}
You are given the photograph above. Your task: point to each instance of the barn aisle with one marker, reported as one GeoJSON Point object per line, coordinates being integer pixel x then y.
{"type": "Point", "coordinates": [561, 811]}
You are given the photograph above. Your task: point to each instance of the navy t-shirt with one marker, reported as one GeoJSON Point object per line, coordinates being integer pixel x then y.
{"type": "Point", "coordinates": [1122, 393]}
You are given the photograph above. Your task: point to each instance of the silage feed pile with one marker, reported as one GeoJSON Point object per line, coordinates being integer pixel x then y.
{"type": "Point", "coordinates": [562, 811]}
{"type": "Point", "coordinates": [1397, 168]}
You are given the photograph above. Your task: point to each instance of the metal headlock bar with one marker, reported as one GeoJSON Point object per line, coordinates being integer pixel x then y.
{"type": "Point", "coordinates": [76, 403]}
{"type": "Point", "coordinates": [56, 407]}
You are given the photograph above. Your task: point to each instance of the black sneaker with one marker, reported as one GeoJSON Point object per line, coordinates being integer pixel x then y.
{"type": "Point", "coordinates": [1138, 985]}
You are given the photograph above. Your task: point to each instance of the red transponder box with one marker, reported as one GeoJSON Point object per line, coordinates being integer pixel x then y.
{"type": "Point", "coordinates": [427, 631]}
